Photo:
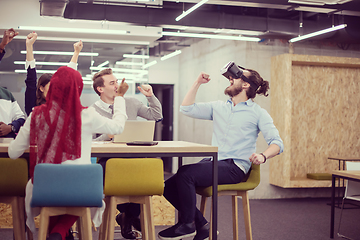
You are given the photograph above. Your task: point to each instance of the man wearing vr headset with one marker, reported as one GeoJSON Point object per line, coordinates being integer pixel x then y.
{"type": "Point", "coordinates": [237, 123]}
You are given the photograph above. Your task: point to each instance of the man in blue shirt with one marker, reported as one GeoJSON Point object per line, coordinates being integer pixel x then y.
{"type": "Point", "coordinates": [236, 125]}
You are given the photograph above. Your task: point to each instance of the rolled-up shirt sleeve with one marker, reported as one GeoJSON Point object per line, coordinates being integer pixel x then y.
{"type": "Point", "coordinates": [269, 131]}
{"type": "Point", "coordinates": [72, 65]}
{"type": "Point", "coordinates": [198, 110]}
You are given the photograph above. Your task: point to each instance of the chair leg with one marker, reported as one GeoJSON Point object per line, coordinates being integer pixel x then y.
{"type": "Point", "coordinates": [111, 218]}
{"type": "Point", "coordinates": [105, 221]}
{"type": "Point", "coordinates": [22, 216]}
{"type": "Point", "coordinates": [150, 217]}
{"type": "Point", "coordinates": [235, 216]}
{"type": "Point", "coordinates": [44, 223]}
{"type": "Point", "coordinates": [338, 232]}
{"type": "Point", "coordinates": [18, 218]}
{"type": "Point", "coordinates": [246, 209]}
{"type": "Point", "coordinates": [203, 205]}
{"type": "Point", "coordinates": [144, 222]}
{"type": "Point", "coordinates": [86, 232]}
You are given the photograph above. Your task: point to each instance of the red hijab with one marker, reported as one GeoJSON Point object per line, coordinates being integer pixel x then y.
{"type": "Point", "coordinates": [55, 126]}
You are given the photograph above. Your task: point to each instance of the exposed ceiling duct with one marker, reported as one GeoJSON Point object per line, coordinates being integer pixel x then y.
{"type": "Point", "coordinates": [265, 19]}
{"type": "Point", "coordinates": [270, 22]}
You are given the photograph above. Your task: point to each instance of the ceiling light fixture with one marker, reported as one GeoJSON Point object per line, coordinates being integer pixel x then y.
{"type": "Point", "coordinates": [45, 63]}
{"type": "Point", "coordinates": [63, 53]}
{"type": "Point", "coordinates": [103, 64]}
{"type": "Point", "coordinates": [211, 36]}
{"type": "Point", "coordinates": [177, 52]}
{"type": "Point", "coordinates": [191, 9]}
{"type": "Point", "coordinates": [318, 33]}
{"type": "Point", "coordinates": [120, 76]}
{"type": "Point", "coordinates": [149, 64]}
{"type": "Point", "coordinates": [128, 77]}
{"type": "Point", "coordinates": [87, 40]}
{"type": "Point", "coordinates": [320, 2]}
{"type": "Point", "coordinates": [136, 56]}
{"type": "Point", "coordinates": [126, 70]}
{"type": "Point", "coordinates": [74, 30]}
{"type": "Point", "coordinates": [129, 63]}
{"type": "Point", "coordinates": [37, 71]}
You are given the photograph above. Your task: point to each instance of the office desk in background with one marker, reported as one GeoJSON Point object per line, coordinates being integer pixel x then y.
{"type": "Point", "coordinates": [178, 149]}
{"type": "Point", "coordinates": [349, 175]}
{"type": "Point", "coordinates": [342, 161]}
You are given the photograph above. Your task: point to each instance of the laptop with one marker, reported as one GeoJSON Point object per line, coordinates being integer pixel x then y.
{"type": "Point", "coordinates": [136, 131]}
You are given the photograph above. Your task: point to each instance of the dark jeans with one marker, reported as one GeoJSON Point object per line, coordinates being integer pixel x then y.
{"type": "Point", "coordinates": [131, 210]}
{"type": "Point", "coordinates": [180, 189]}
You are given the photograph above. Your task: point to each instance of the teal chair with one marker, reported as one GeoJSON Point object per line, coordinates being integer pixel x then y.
{"type": "Point", "coordinates": [67, 189]}
{"type": "Point", "coordinates": [13, 180]}
{"type": "Point", "coordinates": [250, 182]}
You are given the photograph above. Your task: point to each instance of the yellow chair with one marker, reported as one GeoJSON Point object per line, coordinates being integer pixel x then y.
{"type": "Point", "coordinates": [131, 180]}
{"type": "Point", "coordinates": [13, 179]}
{"type": "Point", "coordinates": [235, 190]}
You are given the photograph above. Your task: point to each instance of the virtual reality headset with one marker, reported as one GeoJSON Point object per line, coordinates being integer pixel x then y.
{"type": "Point", "coordinates": [236, 72]}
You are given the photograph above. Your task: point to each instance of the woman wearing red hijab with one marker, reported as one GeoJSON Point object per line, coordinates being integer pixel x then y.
{"type": "Point", "coordinates": [62, 129]}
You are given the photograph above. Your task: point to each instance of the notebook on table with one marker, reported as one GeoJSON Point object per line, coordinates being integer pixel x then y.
{"type": "Point", "coordinates": [136, 131]}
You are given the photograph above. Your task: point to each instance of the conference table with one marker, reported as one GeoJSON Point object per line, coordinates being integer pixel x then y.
{"type": "Point", "coordinates": [349, 175]}
{"type": "Point", "coordinates": [178, 149]}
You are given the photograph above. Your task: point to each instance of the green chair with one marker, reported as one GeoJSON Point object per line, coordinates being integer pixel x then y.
{"type": "Point", "coordinates": [251, 181]}
{"type": "Point", "coordinates": [133, 180]}
{"type": "Point", "coordinates": [13, 180]}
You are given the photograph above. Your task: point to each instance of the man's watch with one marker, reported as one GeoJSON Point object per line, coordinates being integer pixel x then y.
{"type": "Point", "coordinates": [13, 129]}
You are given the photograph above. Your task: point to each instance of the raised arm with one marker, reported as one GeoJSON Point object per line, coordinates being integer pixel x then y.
{"type": "Point", "coordinates": [189, 98]}
{"type": "Point", "coordinates": [154, 111]}
{"type": "Point", "coordinates": [30, 40]}
{"type": "Point", "coordinates": [30, 92]}
{"type": "Point", "coordinates": [77, 49]}
{"type": "Point", "coordinates": [8, 37]}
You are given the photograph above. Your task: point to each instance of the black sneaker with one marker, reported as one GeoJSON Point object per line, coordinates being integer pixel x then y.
{"type": "Point", "coordinates": [203, 232]}
{"type": "Point", "coordinates": [136, 223]}
{"type": "Point", "coordinates": [125, 226]}
{"type": "Point", "coordinates": [178, 231]}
